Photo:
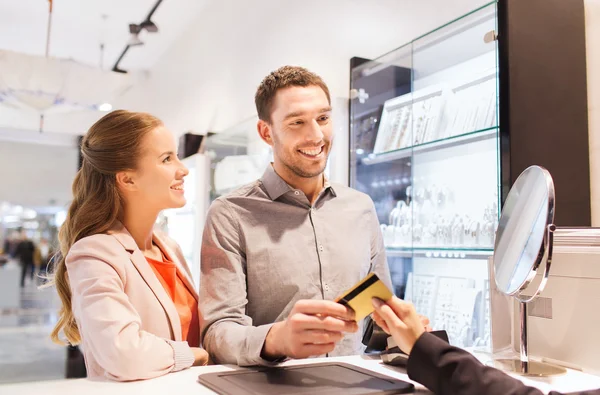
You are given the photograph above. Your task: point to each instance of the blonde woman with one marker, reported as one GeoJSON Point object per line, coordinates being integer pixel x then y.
{"type": "Point", "coordinates": [126, 291]}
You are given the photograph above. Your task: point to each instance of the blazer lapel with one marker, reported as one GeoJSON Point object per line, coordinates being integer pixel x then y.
{"type": "Point", "coordinates": [143, 267]}
{"type": "Point", "coordinates": [181, 266]}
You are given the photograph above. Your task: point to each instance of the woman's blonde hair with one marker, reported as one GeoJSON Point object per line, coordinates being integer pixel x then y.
{"type": "Point", "coordinates": [113, 144]}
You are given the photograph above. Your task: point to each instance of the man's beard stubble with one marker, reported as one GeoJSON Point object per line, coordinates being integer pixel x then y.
{"type": "Point", "coordinates": [298, 171]}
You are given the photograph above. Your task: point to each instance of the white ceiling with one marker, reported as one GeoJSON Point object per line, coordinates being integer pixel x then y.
{"type": "Point", "coordinates": [40, 174]}
{"type": "Point", "coordinates": [78, 28]}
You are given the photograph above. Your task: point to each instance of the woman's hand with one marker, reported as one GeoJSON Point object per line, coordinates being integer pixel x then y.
{"type": "Point", "coordinates": [425, 321]}
{"type": "Point", "coordinates": [400, 320]}
{"type": "Point", "coordinates": [200, 356]}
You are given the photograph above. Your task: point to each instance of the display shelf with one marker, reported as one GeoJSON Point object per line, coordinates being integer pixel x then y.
{"type": "Point", "coordinates": [463, 139]}
{"type": "Point", "coordinates": [439, 252]}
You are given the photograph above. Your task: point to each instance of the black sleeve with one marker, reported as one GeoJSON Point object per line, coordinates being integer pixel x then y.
{"type": "Point", "coordinates": [445, 369]}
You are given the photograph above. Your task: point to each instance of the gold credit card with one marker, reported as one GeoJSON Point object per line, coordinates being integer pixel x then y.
{"type": "Point", "coordinates": [358, 298]}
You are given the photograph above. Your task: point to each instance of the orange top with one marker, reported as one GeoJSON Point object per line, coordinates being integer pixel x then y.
{"type": "Point", "coordinates": [182, 297]}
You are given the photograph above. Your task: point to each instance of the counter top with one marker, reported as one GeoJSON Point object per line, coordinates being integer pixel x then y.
{"type": "Point", "coordinates": [186, 381]}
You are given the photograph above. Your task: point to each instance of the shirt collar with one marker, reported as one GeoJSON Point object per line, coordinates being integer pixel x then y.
{"type": "Point", "coordinates": [327, 185]}
{"type": "Point", "coordinates": [276, 186]}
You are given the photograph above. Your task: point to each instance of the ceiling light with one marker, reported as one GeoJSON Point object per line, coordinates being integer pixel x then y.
{"type": "Point", "coordinates": [134, 40]}
{"type": "Point", "coordinates": [106, 107]}
{"type": "Point", "coordinates": [149, 26]}
{"type": "Point", "coordinates": [134, 30]}
{"type": "Point", "coordinates": [53, 85]}
{"type": "Point", "coordinates": [29, 214]}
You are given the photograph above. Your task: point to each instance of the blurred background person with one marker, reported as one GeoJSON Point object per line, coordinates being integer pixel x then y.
{"type": "Point", "coordinates": [25, 252]}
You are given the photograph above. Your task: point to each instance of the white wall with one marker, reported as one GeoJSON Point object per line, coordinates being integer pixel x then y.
{"type": "Point", "coordinates": [208, 79]}
{"type": "Point", "coordinates": [592, 10]}
{"type": "Point", "coordinates": [33, 174]}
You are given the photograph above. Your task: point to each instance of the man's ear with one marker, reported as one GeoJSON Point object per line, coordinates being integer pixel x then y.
{"type": "Point", "coordinates": [125, 181]}
{"type": "Point", "coordinates": [265, 131]}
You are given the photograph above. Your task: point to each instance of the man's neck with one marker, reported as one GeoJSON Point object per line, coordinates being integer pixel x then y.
{"type": "Point", "coordinates": [311, 187]}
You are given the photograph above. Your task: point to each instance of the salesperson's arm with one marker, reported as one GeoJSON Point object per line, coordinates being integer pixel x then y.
{"type": "Point", "coordinates": [442, 368]}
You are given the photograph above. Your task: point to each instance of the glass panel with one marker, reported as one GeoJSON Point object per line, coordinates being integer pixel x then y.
{"type": "Point", "coordinates": [452, 294]}
{"type": "Point", "coordinates": [374, 84]}
{"type": "Point", "coordinates": [426, 151]}
{"type": "Point", "coordinates": [457, 62]}
{"type": "Point", "coordinates": [455, 174]}
{"type": "Point", "coordinates": [238, 156]}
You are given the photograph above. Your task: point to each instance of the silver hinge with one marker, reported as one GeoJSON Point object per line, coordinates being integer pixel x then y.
{"type": "Point", "coordinates": [490, 36]}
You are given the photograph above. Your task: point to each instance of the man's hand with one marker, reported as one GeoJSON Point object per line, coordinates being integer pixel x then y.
{"type": "Point", "coordinates": [312, 328]}
{"type": "Point", "coordinates": [399, 319]}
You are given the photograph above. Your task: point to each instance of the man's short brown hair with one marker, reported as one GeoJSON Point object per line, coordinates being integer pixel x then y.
{"type": "Point", "coordinates": [284, 77]}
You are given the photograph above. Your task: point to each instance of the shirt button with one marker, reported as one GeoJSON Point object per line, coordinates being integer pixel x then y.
{"type": "Point", "coordinates": [326, 287]}
{"type": "Point", "coordinates": [296, 193]}
{"type": "Point", "coordinates": [321, 248]}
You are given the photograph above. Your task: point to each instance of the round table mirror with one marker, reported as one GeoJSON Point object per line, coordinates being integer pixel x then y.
{"type": "Point", "coordinates": [523, 248]}
{"type": "Point", "coordinates": [521, 236]}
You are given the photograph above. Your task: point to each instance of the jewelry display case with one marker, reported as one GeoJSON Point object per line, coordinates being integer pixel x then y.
{"type": "Point", "coordinates": [237, 156]}
{"type": "Point", "coordinates": [424, 146]}
{"type": "Point", "coordinates": [441, 127]}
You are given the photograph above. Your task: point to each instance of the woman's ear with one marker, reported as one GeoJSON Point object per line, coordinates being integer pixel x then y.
{"type": "Point", "coordinates": [125, 181]}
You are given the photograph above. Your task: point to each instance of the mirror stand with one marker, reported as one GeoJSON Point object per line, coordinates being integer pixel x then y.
{"type": "Point", "coordinates": [523, 365]}
{"type": "Point", "coordinates": [525, 238]}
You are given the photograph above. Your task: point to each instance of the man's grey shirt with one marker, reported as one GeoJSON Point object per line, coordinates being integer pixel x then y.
{"type": "Point", "coordinates": [265, 247]}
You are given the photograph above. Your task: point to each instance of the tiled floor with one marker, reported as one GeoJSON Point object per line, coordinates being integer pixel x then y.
{"type": "Point", "coordinates": [26, 351]}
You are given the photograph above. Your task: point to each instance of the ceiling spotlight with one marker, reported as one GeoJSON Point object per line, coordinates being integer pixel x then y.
{"type": "Point", "coordinates": [134, 30]}
{"type": "Point", "coordinates": [105, 107]}
{"type": "Point", "coordinates": [134, 40]}
{"type": "Point", "coordinates": [149, 26]}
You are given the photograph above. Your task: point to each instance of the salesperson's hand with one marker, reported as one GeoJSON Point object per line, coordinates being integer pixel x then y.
{"type": "Point", "coordinates": [200, 356]}
{"type": "Point", "coordinates": [400, 320]}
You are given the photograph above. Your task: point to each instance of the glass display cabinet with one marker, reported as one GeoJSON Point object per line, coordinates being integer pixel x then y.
{"type": "Point", "coordinates": [237, 156]}
{"type": "Point", "coordinates": [425, 146]}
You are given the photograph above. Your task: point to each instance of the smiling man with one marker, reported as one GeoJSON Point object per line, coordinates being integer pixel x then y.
{"type": "Point", "coordinates": [276, 252]}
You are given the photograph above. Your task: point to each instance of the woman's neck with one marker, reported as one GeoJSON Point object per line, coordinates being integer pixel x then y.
{"type": "Point", "coordinates": [139, 223]}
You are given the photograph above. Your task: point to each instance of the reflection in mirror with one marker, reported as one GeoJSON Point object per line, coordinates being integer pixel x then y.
{"type": "Point", "coordinates": [523, 224]}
